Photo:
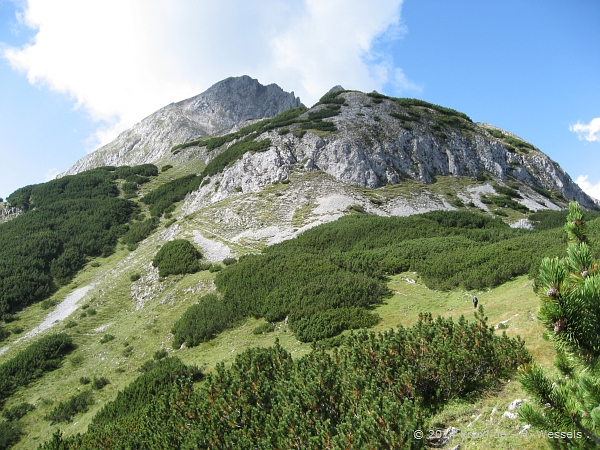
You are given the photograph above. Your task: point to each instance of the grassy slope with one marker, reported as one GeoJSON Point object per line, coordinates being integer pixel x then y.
{"type": "Point", "coordinates": [514, 301]}
{"type": "Point", "coordinates": [148, 329]}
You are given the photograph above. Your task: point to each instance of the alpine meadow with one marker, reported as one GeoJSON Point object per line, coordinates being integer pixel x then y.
{"type": "Point", "coordinates": [265, 275]}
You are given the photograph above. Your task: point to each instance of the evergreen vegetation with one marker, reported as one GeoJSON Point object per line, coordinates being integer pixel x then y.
{"type": "Point", "coordinates": [130, 189]}
{"type": "Point", "coordinates": [504, 201]}
{"type": "Point", "coordinates": [177, 257]}
{"type": "Point", "coordinates": [161, 199]}
{"type": "Point", "coordinates": [65, 411]}
{"type": "Point", "coordinates": [570, 312]}
{"type": "Point", "coordinates": [17, 412]}
{"type": "Point", "coordinates": [99, 383]}
{"type": "Point", "coordinates": [328, 278]}
{"type": "Point", "coordinates": [505, 190]}
{"type": "Point", "coordinates": [235, 152]}
{"type": "Point", "coordinates": [138, 231]}
{"type": "Point", "coordinates": [4, 333]}
{"type": "Point", "coordinates": [165, 195]}
{"type": "Point", "coordinates": [496, 133]}
{"type": "Point", "coordinates": [109, 426]}
{"type": "Point", "coordinates": [545, 192]}
{"type": "Point", "coordinates": [107, 338]}
{"type": "Point", "coordinates": [266, 327]}
{"type": "Point", "coordinates": [510, 142]}
{"type": "Point", "coordinates": [42, 356]}
{"type": "Point", "coordinates": [202, 321]}
{"type": "Point", "coordinates": [10, 433]}
{"type": "Point", "coordinates": [246, 138]}
{"type": "Point", "coordinates": [286, 118]}
{"type": "Point", "coordinates": [332, 98]}
{"type": "Point", "coordinates": [249, 133]}
{"type": "Point", "coordinates": [309, 326]}
{"type": "Point", "coordinates": [411, 103]}
{"type": "Point", "coordinates": [67, 221]}
{"type": "Point", "coordinates": [372, 392]}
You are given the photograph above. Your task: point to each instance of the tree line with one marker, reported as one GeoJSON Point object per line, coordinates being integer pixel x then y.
{"type": "Point", "coordinates": [66, 221]}
{"type": "Point", "coordinates": [329, 279]}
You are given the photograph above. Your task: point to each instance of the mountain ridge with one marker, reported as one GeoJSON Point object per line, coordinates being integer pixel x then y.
{"type": "Point", "coordinates": [367, 140]}
{"type": "Point", "coordinates": [220, 108]}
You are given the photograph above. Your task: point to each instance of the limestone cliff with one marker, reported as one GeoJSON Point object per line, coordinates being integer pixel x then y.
{"type": "Point", "coordinates": [366, 140]}
{"type": "Point", "coordinates": [385, 143]}
{"type": "Point", "coordinates": [223, 106]}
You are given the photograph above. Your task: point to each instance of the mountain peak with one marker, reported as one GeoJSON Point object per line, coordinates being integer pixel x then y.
{"type": "Point", "coordinates": [222, 107]}
{"type": "Point", "coordinates": [243, 98]}
{"type": "Point", "coordinates": [336, 88]}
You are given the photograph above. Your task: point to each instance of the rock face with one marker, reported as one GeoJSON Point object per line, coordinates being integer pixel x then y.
{"type": "Point", "coordinates": [372, 148]}
{"type": "Point", "coordinates": [377, 141]}
{"type": "Point", "coordinates": [222, 107]}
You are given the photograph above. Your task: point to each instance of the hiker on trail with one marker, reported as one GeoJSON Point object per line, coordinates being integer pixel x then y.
{"type": "Point", "coordinates": [475, 301]}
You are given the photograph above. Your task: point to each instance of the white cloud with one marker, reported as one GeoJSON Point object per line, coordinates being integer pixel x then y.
{"type": "Point", "coordinates": [403, 84]}
{"type": "Point", "coordinates": [590, 189]}
{"type": "Point", "coordinates": [120, 61]}
{"type": "Point", "coordinates": [592, 129]}
{"type": "Point", "coordinates": [51, 174]}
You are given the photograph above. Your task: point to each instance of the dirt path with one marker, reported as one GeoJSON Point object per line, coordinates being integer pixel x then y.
{"type": "Point", "coordinates": [63, 310]}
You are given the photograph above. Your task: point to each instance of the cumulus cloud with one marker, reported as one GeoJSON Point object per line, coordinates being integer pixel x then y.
{"type": "Point", "coordinates": [51, 174]}
{"type": "Point", "coordinates": [120, 61]}
{"type": "Point", "coordinates": [589, 132]}
{"type": "Point", "coordinates": [593, 190]}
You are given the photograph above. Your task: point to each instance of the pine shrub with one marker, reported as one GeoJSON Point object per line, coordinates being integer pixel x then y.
{"type": "Point", "coordinates": [177, 257]}
{"type": "Point", "coordinates": [201, 322]}
{"type": "Point", "coordinates": [106, 338]}
{"type": "Point", "coordinates": [76, 404]}
{"type": "Point", "coordinates": [17, 411]}
{"type": "Point", "coordinates": [371, 392]}
{"type": "Point", "coordinates": [99, 383]}
{"type": "Point", "coordinates": [42, 356]}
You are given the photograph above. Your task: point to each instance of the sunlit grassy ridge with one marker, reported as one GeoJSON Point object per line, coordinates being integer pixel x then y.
{"type": "Point", "coordinates": [353, 244]}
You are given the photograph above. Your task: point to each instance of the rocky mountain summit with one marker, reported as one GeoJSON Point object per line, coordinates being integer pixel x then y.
{"type": "Point", "coordinates": [370, 141]}
{"type": "Point", "coordinates": [365, 140]}
{"type": "Point", "coordinates": [223, 106]}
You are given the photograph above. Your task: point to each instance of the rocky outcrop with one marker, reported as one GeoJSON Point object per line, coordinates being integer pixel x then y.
{"type": "Point", "coordinates": [378, 141]}
{"type": "Point", "coordinates": [372, 148]}
{"type": "Point", "coordinates": [222, 107]}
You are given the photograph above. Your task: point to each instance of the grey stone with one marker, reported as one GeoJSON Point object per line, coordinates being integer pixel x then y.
{"type": "Point", "coordinates": [370, 148]}
{"type": "Point", "coordinates": [515, 404]}
{"type": "Point", "coordinates": [227, 104]}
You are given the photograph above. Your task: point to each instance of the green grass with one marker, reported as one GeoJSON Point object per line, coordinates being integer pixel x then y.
{"type": "Point", "coordinates": [148, 329]}
{"type": "Point", "coordinates": [301, 214]}
{"type": "Point", "coordinates": [513, 301]}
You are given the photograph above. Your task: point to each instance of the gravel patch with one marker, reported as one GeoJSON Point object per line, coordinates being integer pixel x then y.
{"type": "Point", "coordinates": [257, 235]}
{"type": "Point", "coordinates": [170, 233]}
{"type": "Point", "coordinates": [333, 204]}
{"type": "Point", "coordinates": [212, 251]}
{"type": "Point", "coordinates": [63, 310]}
{"type": "Point", "coordinates": [523, 223]}
{"type": "Point", "coordinates": [102, 328]}
{"type": "Point", "coordinates": [535, 206]}
{"type": "Point", "coordinates": [147, 287]}
{"type": "Point", "coordinates": [417, 205]}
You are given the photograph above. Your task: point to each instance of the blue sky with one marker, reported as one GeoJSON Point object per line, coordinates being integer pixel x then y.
{"type": "Point", "coordinates": [74, 74]}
